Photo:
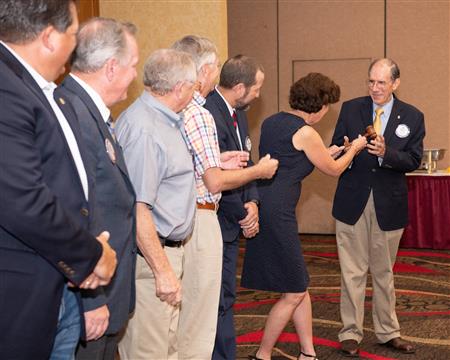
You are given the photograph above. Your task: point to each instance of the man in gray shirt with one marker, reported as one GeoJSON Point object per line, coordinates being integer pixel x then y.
{"type": "Point", "coordinates": [151, 134]}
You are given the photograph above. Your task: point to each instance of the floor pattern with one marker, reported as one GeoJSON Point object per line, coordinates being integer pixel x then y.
{"type": "Point", "coordinates": [422, 281]}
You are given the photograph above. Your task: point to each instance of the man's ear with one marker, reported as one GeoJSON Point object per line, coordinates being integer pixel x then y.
{"type": "Point", "coordinates": [47, 37]}
{"type": "Point", "coordinates": [177, 89]}
{"type": "Point", "coordinates": [110, 68]}
{"type": "Point", "coordinates": [239, 90]}
{"type": "Point", "coordinates": [396, 84]}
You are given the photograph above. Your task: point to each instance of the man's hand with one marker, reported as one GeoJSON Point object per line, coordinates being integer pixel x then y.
{"type": "Point", "coordinates": [97, 321]}
{"type": "Point", "coordinates": [377, 146]}
{"type": "Point", "coordinates": [104, 270]}
{"type": "Point", "coordinates": [250, 224]}
{"type": "Point", "coordinates": [267, 167]}
{"type": "Point", "coordinates": [231, 160]}
{"type": "Point", "coordinates": [168, 288]}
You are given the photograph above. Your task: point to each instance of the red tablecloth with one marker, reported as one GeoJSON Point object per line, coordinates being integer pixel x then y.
{"type": "Point", "coordinates": [429, 212]}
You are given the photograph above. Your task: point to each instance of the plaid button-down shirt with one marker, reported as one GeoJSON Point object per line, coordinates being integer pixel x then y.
{"type": "Point", "coordinates": [201, 135]}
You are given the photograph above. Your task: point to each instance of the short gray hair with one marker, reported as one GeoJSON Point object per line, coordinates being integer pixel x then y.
{"type": "Point", "coordinates": [165, 68]}
{"type": "Point", "coordinates": [100, 39]}
{"type": "Point", "coordinates": [395, 70]}
{"type": "Point", "coordinates": [202, 50]}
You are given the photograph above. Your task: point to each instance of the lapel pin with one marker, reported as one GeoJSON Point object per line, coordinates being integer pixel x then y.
{"type": "Point", "coordinates": [61, 100]}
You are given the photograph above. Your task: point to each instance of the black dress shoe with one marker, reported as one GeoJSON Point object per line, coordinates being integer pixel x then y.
{"type": "Point", "coordinates": [400, 345]}
{"type": "Point", "coordinates": [349, 348]}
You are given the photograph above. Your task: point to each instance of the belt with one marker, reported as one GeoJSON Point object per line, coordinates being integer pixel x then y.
{"type": "Point", "coordinates": [172, 244]}
{"type": "Point", "coordinates": [208, 206]}
{"type": "Point", "coordinates": [165, 243]}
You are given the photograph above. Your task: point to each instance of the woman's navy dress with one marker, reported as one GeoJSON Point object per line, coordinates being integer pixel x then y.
{"type": "Point", "coordinates": [273, 259]}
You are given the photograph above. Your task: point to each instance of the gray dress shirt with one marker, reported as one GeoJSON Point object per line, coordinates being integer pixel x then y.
{"type": "Point", "coordinates": [159, 164]}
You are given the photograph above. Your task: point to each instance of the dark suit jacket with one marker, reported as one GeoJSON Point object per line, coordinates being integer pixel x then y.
{"type": "Point", "coordinates": [112, 205]}
{"type": "Point", "coordinates": [388, 183]}
{"type": "Point", "coordinates": [42, 215]}
{"type": "Point", "coordinates": [231, 207]}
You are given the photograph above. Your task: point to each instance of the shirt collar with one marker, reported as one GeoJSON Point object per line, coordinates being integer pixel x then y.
{"type": "Point", "coordinates": [96, 98]}
{"type": "Point", "coordinates": [42, 83]}
{"type": "Point", "coordinates": [171, 115]}
{"type": "Point", "coordinates": [387, 108]}
{"type": "Point", "coordinates": [230, 108]}
{"type": "Point", "coordinates": [198, 98]}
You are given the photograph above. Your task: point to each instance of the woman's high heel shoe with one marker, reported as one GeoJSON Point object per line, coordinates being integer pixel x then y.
{"type": "Point", "coordinates": [313, 357]}
{"type": "Point", "coordinates": [253, 357]}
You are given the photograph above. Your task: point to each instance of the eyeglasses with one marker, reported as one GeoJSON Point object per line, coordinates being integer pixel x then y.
{"type": "Point", "coordinates": [380, 84]}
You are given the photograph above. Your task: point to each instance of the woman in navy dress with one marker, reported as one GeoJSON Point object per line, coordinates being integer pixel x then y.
{"type": "Point", "coordinates": [274, 260]}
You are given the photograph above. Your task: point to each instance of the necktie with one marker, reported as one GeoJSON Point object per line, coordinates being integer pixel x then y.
{"type": "Point", "coordinates": [110, 124]}
{"type": "Point", "coordinates": [234, 119]}
{"type": "Point", "coordinates": [377, 121]}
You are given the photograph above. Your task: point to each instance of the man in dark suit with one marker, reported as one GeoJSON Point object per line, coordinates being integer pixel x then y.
{"type": "Point", "coordinates": [43, 182]}
{"type": "Point", "coordinates": [103, 66]}
{"type": "Point", "coordinates": [371, 204]}
{"type": "Point", "coordinates": [240, 83]}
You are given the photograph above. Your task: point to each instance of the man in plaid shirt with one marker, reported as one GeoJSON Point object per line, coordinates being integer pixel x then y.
{"type": "Point", "coordinates": [201, 280]}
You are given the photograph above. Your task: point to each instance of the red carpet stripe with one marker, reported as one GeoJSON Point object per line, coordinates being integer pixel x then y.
{"type": "Point", "coordinates": [252, 304]}
{"type": "Point", "coordinates": [423, 254]}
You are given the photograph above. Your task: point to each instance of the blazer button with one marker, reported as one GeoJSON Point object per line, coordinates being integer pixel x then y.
{"type": "Point", "coordinates": [374, 170]}
{"type": "Point", "coordinates": [84, 212]}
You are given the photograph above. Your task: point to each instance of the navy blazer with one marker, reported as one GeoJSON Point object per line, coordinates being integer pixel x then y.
{"type": "Point", "coordinates": [43, 213]}
{"type": "Point", "coordinates": [112, 204]}
{"type": "Point", "coordinates": [231, 207]}
{"type": "Point", "coordinates": [388, 182]}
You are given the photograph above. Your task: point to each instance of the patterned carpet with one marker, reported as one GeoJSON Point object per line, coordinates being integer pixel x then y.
{"type": "Point", "coordinates": [422, 281]}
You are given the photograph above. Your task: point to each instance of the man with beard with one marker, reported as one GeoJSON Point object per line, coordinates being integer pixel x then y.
{"type": "Point", "coordinates": [240, 83]}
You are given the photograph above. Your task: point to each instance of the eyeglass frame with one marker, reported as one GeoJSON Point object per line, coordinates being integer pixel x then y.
{"type": "Point", "coordinates": [381, 84]}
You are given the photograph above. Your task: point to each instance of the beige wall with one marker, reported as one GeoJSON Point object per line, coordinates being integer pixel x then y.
{"type": "Point", "coordinates": [160, 23]}
{"type": "Point", "coordinates": [339, 38]}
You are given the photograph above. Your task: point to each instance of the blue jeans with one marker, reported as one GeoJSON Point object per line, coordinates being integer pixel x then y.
{"type": "Point", "coordinates": [68, 330]}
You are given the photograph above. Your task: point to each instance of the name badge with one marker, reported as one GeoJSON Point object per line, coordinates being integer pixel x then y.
{"type": "Point", "coordinates": [402, 131]}
{"type": "Point", "coordinates": [248, 144]}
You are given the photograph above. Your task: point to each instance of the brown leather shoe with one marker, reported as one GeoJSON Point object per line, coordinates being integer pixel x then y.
{"type": "Point", "coordinates": [400, 345]}
{"type": "Point", "coordinates": [349, 348]}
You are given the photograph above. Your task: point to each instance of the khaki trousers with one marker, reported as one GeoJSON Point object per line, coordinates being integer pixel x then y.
{"type": "Point", "coordinates": [201, 281]}
{"type": "Point", "coordinates": [151, 331]}
{"type": "Point", "coordinates": [363, 247]}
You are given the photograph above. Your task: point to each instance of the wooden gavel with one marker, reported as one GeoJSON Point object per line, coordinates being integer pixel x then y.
{"type": "Point", "coordinates": [370, 134]}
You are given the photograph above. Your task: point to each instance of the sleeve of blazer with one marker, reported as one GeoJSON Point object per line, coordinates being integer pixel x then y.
{"type": "Point", "coordinates": [29, 210]}
{"type": "Point", "coordinates": [409, 158]}
{"type": "Point", "coordinates": [231, 202]}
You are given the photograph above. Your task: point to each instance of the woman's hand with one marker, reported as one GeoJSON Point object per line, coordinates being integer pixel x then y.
{"type": "Point", "coordinates": [359, 144]}
{"type": "Point", "coordinates": [335, 150]}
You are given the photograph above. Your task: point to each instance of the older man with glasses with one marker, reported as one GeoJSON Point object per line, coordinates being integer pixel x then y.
{"type": "Point", "coordinates": [371, 204]}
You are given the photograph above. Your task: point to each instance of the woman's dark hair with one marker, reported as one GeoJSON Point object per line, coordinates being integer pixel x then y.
{"type": "Point", "coordinates": [313, 91]}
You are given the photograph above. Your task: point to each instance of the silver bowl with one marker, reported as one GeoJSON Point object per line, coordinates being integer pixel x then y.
{"type": "Point", "coordinates": [433, 154]}
{"type": "Point", "coordinates": [429, 159]}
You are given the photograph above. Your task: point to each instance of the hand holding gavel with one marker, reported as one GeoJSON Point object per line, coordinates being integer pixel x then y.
{"type": "Point", "coordinates": [370, 134]}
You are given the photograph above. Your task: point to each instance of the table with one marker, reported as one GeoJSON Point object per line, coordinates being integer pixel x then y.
{"type": "Point", "coordinates": [429, 211]}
